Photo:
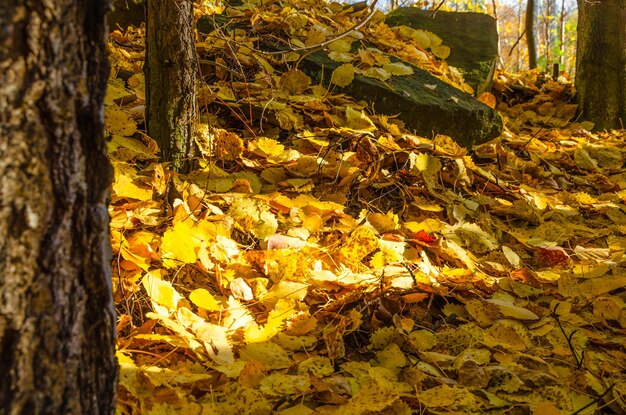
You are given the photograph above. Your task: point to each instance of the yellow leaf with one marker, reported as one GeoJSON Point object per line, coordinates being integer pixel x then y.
{"type": "Point", "coordinates": [511, 256]}
{"type": "Point", "coordinates": [115, 90]}
{"type": "Point", "coordinates": [124, 185]}
{"type": "Point", "coordinates": [269, 146]}
{"type": "Point", "coordinates": [341, 45]}
{"type": "Point", "coordinates": [315, 37]}
{"type": "Point", "coordinates": [398, 68]}
{"type": "Point", "coordinates": [383, 222]}
{"type": "Point", "coordinates": [361, 242]}
{"type": "Point", "coordinates": [254, 216]}
{"type": "Point", "coordinates": [343, 75]}
{"type": "Point", "coordinates": [357, 120]}
{"type": "Point", "coordinates": [425, 163]}
{"type": "Point", "coordinates": [241, 290]}
{"type": "Point", "coordinates": [289, 120]}
{"type": "Point", "coordinates": [342, 57]}
{"type": "Point", "coordinates": [295, 81]}
{"type": "Point", "coordinates": [376, 73]}
{"type": "Point", "coordinates": [434, 39]}
{"type": "Point", "coordinates": [216, 342]}
{"type": "Point", "coordinates": [275, 320]}
{"type": "Point", "coordinates": [178, 246]}
{"type": "Point", "coordinates": [505, 303]}
{"type": "Point", "coordinates": [280, 384]}
{"type": "Point", "coordinates": [204, 299]}
{"type": "Point", "coordinates": [119, 122]}
{"type": "Point", "coordinates": [285, 290]}
{"type": "Point", "coordinates": [160, 291]}
{"type": "Point", "coordinates": [441, 51]}
{"type": "Point", "coordinates": [137, 146]}
{"type": "Point", "coordinates": [271, 354]}
{"type": "Point", "coordinates": [319, 366]}
{"type": "Point", "coordinates": [228, 145]}
{"type": "Point", "coordinates": [419, 36]}
{"type": "Point", "coordinates": [264, 63]}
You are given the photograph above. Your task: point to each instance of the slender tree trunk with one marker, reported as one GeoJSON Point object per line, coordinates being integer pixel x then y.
{"type": "Point", "coordinates": [531, 44]}
{"type": "Point", "coordinates": [562, 35]}
{"type": "Point", "coordinates": [601, 62]}
{"type": "Point", "coordinates": [495, 16]}
{"type": "Point", "coordinates": [520, 33]}
{"type": "Point", "coordinates": [57, 321]}
{"type": "Point", "coordinates": [547, 21]}
{"type": "Point", "coordinates": [170, 79]}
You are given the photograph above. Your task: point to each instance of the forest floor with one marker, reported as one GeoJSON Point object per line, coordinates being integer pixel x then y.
{"type": "Point", "coordinates": [324, 260]}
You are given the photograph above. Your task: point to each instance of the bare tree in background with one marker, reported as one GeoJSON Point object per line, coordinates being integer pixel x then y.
{"type": "Point", "coordinates": [531, 43]}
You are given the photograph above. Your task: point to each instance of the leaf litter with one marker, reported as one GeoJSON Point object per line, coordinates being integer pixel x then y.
{"type": "Point", "coordinates": [324, 260]}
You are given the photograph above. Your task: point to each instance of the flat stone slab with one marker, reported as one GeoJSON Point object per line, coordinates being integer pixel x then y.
{"type": "Point", "coordinates": [426, 104]}
{"type": "Point", "coordinates": [472, 38]}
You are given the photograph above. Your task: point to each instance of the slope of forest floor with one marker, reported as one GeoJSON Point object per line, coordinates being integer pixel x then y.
{"type": "Point", "coordinates": [324, 260]}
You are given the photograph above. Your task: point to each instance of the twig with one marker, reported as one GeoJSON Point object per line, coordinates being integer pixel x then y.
{"type": "Point", "coordinates": [318, 45]}
{"type": "Point", "coordinates": [517, 41]}
{"type": "Point", "coordinates": [595, 401]}
{"type": "Point", "coordinates": [578, 360]}
{"type": "Point", "coordinates": [432, 15]}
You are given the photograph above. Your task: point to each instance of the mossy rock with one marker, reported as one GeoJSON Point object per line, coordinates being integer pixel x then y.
{"type": "Point", "coordinates": [424, 103]}
{"type": "Point", "coordinates": [472, 38]}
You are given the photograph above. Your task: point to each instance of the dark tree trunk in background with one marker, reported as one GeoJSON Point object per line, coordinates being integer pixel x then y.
{"type": "Point", "coordinates": [531, 42]}
{"type": "Point", "coordinates": [170, 79]}
{"type": "Point", "coordinates": [57, 321]}
{"type": "Point", "coordinates": [601, 62]}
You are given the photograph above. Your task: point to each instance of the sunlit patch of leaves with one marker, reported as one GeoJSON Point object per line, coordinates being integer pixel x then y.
{"type": "Point", "coordinates": [336, 263]}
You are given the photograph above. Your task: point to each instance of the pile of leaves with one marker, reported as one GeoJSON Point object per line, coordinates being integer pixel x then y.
{"type": "Point", "coordinates": [324, 260]}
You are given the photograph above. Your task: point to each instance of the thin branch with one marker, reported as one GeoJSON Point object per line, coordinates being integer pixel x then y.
{"type": "Point", "coordinates": [432, 15]}
{"type": "Point", "coordinates": [327, 42]}
{"type": "Point", "coordinates": [517, 41]}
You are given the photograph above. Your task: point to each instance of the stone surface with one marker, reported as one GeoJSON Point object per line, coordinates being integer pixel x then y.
{"type": "Point", "coordinates": [426, 104]}
{"type": "Point", "coordinates": [472, 38]}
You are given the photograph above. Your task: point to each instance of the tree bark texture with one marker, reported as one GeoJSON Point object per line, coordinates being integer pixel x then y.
{"type": "Point", "coordinates": [531, 40]}
{"type": "Point", "coordinates": [170, 72]}
{"type": "Point", "coordinates": [601, 62]}
{"type": "Point", "coordinates": [57, 321]}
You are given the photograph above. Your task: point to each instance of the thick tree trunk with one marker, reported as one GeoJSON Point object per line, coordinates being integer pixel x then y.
{"type": "Point", "coordinates": [531, 40]}
{"type": "Point", "coordinates": [170, 79]}
{"type": "Point", "coordinates": [57, 322]}
{"type": "Point", "coordinates": [601, 62]}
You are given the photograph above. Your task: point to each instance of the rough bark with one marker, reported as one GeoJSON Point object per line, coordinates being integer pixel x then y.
{"type": "Point", "coordinates": [601, 62]}
{"type": "Point", "coordinates": [57, 322]}
{"type": "Point", "coordinates": [531, 40]}
{"type": "Point", "coordinates": [170, 79]}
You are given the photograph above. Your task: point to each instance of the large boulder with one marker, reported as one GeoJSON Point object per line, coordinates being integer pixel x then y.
{"type": "Point", "coordinates": [426, 104]}
{"type": "Point", "coordinates": [472, 38]}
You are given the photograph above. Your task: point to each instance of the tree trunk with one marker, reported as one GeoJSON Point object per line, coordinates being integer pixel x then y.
{"type": "Point", "coordinates": [495, 16]}
{"type": "Point", "coordinates": [57, 320]}
{"type": "Point", "coordinates": [170, 79]}
{"type": "Point", "coordinates": [561, 60]}
{"type": "Point", "coordinates": [531, 41]}
{"type": "Point", "coordinates": [601, 62]}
